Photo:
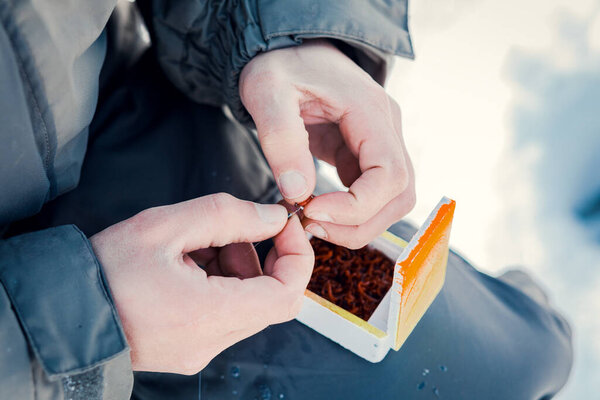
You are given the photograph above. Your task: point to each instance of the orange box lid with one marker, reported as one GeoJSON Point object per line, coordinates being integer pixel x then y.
{"type": "Point", "coordinates": [419, 273]}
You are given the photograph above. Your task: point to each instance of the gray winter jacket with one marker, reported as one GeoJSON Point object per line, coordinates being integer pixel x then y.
{"type": "Point", "coordinates": [60, 335]}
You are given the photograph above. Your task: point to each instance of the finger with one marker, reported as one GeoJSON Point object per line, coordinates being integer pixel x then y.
{"type": "Point", "coordinates": [254, 303]}
{"type": "Point", "coordinates": [295, 257]}
{"type": "Point", "coordinates": [371, 136]}
{"type": "Point", "coordinates": [290, 263]}
{"type": "Point", "coordinates": [357, 236]}
{"type": "Point", "coordinates": [211, 221]}
{"type": "Point", "coordinates": [239, 260]}
{"type": "Point", "coordinates": [270, 260]}
{"type": "Point", "coordinates": [276, 296]}
{"type": "Point", "coordinates": [283, 139]}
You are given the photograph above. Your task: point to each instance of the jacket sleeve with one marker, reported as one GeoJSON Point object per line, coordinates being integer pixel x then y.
{"type": "Point", "coordinates": [60, 336]}
{"type": "Point", "coordinates": [203, 45]}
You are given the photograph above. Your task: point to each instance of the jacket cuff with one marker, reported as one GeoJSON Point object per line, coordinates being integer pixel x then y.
{"type": "Point", "coordinates": [372, 29]}
{"type": "Point", "coordinates": [203, 46]}
{"type": "Point", "coordinates": [61, 298]}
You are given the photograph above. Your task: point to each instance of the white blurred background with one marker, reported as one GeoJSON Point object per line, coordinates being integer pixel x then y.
{"type": "Point", "coordinates": [501, 112]}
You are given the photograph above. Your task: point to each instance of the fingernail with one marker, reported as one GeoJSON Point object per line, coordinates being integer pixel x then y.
{"type": "Point", "coordinates": [316, 230]}
{"type": "Point", "coordinates": [271, 213]}
{"type": "Point", "coordinates": [319, 216]}
{"type": "Point", "coordinates": [292, 184]}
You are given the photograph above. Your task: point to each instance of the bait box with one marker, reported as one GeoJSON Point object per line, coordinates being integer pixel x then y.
{"type": "Point", "coordinates": [419, 274]}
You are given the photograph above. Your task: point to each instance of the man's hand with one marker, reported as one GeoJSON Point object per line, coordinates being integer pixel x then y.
{"type": "Point", "coordinates": [177, 316]}
{"type": "Point", "coordinates": [313, 100]}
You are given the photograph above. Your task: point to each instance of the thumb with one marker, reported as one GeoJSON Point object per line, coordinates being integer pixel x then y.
{"type": "Point", "coordinates": [284, 141]}
{"type": "Point", "coordinates": [217, 220]}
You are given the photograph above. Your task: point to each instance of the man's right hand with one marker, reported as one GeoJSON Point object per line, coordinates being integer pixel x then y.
{"type": "Point", "coordinates": [176, 316]}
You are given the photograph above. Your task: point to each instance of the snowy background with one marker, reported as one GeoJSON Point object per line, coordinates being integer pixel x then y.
{"type": "Point", "coordinates": [501, 112]}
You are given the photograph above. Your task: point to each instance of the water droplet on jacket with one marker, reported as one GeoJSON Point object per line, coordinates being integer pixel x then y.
{"type": "Point", "coordinates": [436, 392]}
{"type": "Point", "coordinates": [265, 366]}
{"type": "Point", "coordinates": [235, 372]}
{"type": "Point", "coordinates": [425, 371]}
{"type": "Point", "coordinates": [265, 392]}
{"type": "Point", "coordinates": [222, 377]}
{"type": "Point", "coordinates": [234, 392]}
{"type": "Point", "coordinates": [70, 384]}
{"type": "Point", "coordinates": [443, 368]}
{"type": "Point", "coordinates": [281, 396]}
{"type": "Point", "coordinates": [421, 385]}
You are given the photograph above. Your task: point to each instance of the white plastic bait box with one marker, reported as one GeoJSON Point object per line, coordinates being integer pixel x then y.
{"type": "Point", "coordinates": [418, 277]}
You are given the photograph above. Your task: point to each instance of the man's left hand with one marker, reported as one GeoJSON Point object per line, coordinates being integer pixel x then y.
{"type": "Point", "coordinates": [313, 100]}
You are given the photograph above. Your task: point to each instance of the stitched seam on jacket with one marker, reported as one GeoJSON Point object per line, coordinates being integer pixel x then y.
{"type": "Point", "coordinates": [13, 36]}
{"type": "Point", "coordinates": [341, 34]}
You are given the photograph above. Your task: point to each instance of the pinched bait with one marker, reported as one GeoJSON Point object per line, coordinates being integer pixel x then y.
{"type": "Point", "coordinates": [305, 202]}
{"type": "Point", "coordinates": [356, 280]}
{"type": "Point", "coordinates": [298, 207]}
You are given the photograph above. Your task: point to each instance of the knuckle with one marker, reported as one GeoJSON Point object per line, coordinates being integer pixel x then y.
{"type": "Point", "coordinates": [286, 135]}
{"type": "Point", "coordinates": [191, 364]}
{"type": "Point", "coordinates": [353, 202]}
{"type": "Point", "coordinates": [391, 165]}
{"type": "Point", "coordinates": [362, 210]}
{"type": "Point", "coordinates": [382, 98]}
{"type": "Point", "coordinates": [377, 95]}
{"type": "Point", "coordinates": [269, 137]}
{"type": "Point", "coordinates": [395, 107]}
{"type": "Point", "coordinates": [396, 172]}
{"type": "Point", "coordinates": [411, 200]}
{"type": "Point", "coordinates": [295, 308]}
{"type": "Point", "coordinates": [144, 218]}
{"type": "Point", "coordinates": [357, 241]}
{"type": "Point", "coordinates": [294, 304]}
{"type": "Point", "coordinates": [217, 204]}
{"type": "Point", "coordinates": [187, 365]}
{"type": "Point", "coordinates": [148, 229]}
{"type": "Point", "coordinates": [364, 216]}
{"type": "Point", "coordinates": [146, 223]}
{"type": "Point", "coordinates": [189, 369]}
{"type": "Point", "coordinates": [402, 179]}
{"type": "Point", "coordinates": [261, 80]}
{"type": "Point", "coordinates": [405, 203]}
{"type": "Point", "coordinates": [290, 304]}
